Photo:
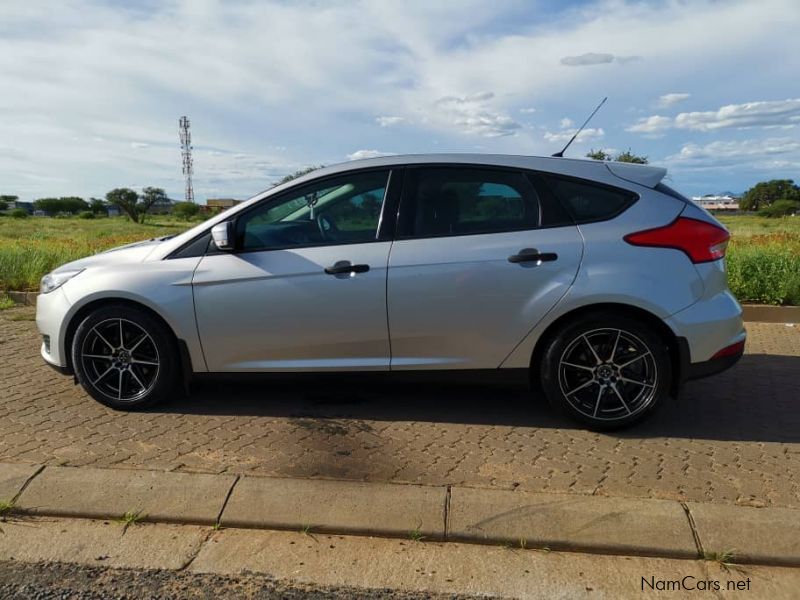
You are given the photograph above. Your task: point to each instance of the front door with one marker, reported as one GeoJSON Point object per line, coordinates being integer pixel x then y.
{"type": "Point", "coordinates": [306, 288]}
{"type": "Point", "coordinates": [479, 260]}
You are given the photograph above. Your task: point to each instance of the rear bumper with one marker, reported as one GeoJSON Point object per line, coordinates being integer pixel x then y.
{"type": "Point", "coordinates": [710, 367]}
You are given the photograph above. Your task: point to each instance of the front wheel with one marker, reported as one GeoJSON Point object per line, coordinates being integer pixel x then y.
{"type": "Point", "coordinates": [606, 370]}
{"type": "Point", "coordinates": [124, 358]}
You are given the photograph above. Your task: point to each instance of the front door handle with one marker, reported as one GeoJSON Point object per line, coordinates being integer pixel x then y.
{"type": "Point", "coordinates": [345, 266]}
{"type": "Point", "coordinates": [532, 255]}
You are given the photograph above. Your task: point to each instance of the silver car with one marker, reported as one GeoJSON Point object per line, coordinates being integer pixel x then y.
{"type": "Point", "coordinates": [594, 281]}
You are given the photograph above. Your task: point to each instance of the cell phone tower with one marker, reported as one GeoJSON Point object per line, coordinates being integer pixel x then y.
{"type": "Point", "coordinates": [186, 155]}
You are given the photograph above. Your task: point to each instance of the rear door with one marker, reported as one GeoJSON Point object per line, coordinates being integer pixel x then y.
{"type": "Point", "coordinates": [480, 257]}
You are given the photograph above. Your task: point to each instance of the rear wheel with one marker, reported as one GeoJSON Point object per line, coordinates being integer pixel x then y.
{"type": "Point", "coordinates": [124, 358]}
{"type": "Point", "coordinates": [606, 370]}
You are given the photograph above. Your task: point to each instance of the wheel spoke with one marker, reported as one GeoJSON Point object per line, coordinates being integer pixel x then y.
{"type": "Point", "coordinates": [614, 349]}
{"type": "Point", "coordinates": [106, 372]}
{"type": "Point", "coordinates": [642, 383]}
{"type": "Point", "coordinates": [621, 399]}
{"type": "Point", "coordinates": [597, 403]}
{"type": "Point", "coordinates": [588, 343]}
{"type": "Point", "coordinates": [136, 345]}
{"type": "Point", "coordinates": [633, 360]}
{"type": "Point", "coordinates": [139, 381]}
{"type": "Point", "coordinates": [98, 334]}
{"type": "Point", "coordinates": [136, 361]}
{"type": "Point", "coordinates": [576, 366]}
{"type": "Point", "coordinates": [100, 356]}
{"type": "Point", "coordinates": [582, 386]}
{"type": "Point", "coordinates": [121, 339]}
{"type": "Point", "coordinates": [119, 391]}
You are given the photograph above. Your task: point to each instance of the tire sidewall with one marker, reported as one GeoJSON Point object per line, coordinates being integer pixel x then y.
{"type": "Point", "coordinates": [558, 342]}
{"type": "Point", "coordinates": [165, 343]}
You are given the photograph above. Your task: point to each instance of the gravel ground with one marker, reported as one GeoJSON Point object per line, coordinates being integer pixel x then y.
{"type": "Point", "coordinates": [61, 581]}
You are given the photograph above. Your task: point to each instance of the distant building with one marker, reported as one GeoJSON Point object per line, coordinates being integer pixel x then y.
{"type": "Point", "coordinates": [712, 202]}
{"type": "Point", "coordinates": [218, 204]}
{"type": "Point", "coordinates": [14, 204]}
{"type": "Point", "coordinates": [113, 210]}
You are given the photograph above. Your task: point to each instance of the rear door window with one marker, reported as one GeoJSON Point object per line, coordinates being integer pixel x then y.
{"type": "Point", "coordinates": [444, 201]}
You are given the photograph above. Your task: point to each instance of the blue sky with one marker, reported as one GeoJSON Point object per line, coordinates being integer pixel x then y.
{"type": "Point", "coordinates": [91, 91]}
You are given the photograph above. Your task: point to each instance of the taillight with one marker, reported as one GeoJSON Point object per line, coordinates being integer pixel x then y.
{"type": "Point", "coordinates": [700, 241]}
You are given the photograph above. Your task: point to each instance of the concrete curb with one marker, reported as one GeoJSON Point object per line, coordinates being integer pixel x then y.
{"type": "Point", "coordinates": [627, 526]}
{"type": "Point", "coordinates": [762, 313]}
{"type": "Point", "coordinates": [757, 313]}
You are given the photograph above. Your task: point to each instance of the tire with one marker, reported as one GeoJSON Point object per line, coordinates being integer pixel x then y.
{"type": "Point", "coordinates": [137, 372]}
{"type": "Point", "coordinates": [582, 379]}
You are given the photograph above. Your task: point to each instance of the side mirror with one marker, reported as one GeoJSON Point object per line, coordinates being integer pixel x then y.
{"type": "Point", "coordinates": [223, 235]}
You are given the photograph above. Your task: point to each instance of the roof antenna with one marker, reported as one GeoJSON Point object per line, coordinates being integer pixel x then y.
{"type": "Point", "coordinates": [560, 154]}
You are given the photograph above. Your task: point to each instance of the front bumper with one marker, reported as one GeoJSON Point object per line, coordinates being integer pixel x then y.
{"type": "Point", "coordinates": [51, 320]}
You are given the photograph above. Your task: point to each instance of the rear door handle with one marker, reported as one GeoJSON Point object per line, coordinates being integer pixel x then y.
{"type": "Point", "coordinates": [345, 266]}
{"type": "Point", "coordinates": [532, 255]}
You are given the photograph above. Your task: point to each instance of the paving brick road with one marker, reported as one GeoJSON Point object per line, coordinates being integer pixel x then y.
{"type": "Point", "coordinates": [733, 438]}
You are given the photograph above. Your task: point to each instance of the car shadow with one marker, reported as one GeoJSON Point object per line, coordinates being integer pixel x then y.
{"type": "Point", "coordinates": [756, 400]}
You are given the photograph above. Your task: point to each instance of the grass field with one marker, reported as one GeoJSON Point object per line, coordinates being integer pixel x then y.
{"type": "Point", "coordinates": [31, 247]}
{"type": "Point", "coordinates": [763, 257]}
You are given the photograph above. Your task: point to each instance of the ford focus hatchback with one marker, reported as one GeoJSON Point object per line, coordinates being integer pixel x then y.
{"type": "Point", "coordinates": [595, 281]}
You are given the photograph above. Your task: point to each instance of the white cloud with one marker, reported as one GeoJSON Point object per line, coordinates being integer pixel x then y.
{"type": "Point", "coordinates": [750, 114]}
{"type": "Point", "coordinates": [527, 111]}
{"type": "Point", "coordinates": [361, 154]}
{"type": "Point", "coordinates": [672, 99]}
{"type": "Point", "coordinates": [86, 69]}
{"type": "Point", "coordinates": [565, 123]}
{"type": "Point", "coordinates": [139, 145]}
{"type": "Point", "coordinates": [768, 114]}
{"type": "Point", "coordinates": [596, 58]}
{"type": "Point", "coordinates": [472, 114]}
{"type": "Point", "coordinates": [726, 151]}
{"type": "Point", "coordinates": [651, 125]}
{"type": "Point", "coordinates": [388, 121]}
{"type": "Point", "coordinates": [587, 135]}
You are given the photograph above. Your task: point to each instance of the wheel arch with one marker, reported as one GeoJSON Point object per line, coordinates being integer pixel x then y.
{"type": "Point", "coordinates": [75, 320]}
{"type": "Point", "coordinates": [676, 346]}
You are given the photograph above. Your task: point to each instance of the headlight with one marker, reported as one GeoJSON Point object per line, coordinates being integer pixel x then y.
{"type": "Point", "coordinates": [53, 281]}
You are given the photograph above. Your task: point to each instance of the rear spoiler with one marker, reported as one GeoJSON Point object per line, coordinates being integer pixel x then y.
{"type": "Point", "coordinates": [642, 174]}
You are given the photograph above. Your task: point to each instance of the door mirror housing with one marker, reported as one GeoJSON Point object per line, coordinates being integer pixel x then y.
{"type": "Point", "coordinates": [223, 235]}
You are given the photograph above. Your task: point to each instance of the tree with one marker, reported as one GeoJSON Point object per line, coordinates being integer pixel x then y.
{"type": "Point", "coordinates": [297, 174]}
{"type": "Point", "coordinates": [5, 200]}
{"type": "Point", "coordinates": [780, 208]}
{"type": "Point", "coordinates": [125, 199]}
{"type": "Point", "coordinates": [626, 157]}
{"type": "Point", "coordinates": [149, 197]}
{"type": "Point", "coordinates": [185, 210]}
{"type": "Point", "coordinates": [630, 157]}
{"type": "Point", "coordinates": [763, 194]}
{"type": "Point", "coordinates": [598, 155]}
{"type": "Point", "coordinates": [97, 206]}
{"type": "Point", "coordinates": [65, 204]}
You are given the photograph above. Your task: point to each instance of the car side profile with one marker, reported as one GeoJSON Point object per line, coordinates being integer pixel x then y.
{"type": "Point", "coordinates": [596, 281]}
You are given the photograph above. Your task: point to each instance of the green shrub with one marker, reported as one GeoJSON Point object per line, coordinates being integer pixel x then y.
{"type": "Point", "coordinates": [19, 213]}
{"type": "Point", "coordinates": [780, 208]}
{"type": "Point", "coordinates": [765, 271]}
{"type": "Point", "coordinates": [87, 214]}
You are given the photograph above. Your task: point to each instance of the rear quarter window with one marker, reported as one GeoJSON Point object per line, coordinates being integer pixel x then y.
{"type": "Point", "coordinates": [587, 201]}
